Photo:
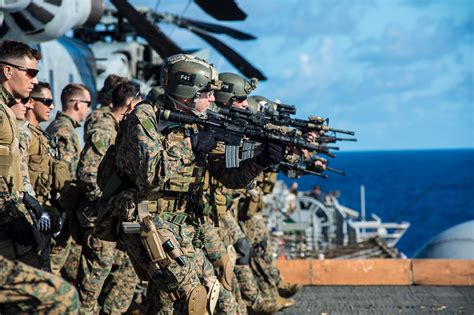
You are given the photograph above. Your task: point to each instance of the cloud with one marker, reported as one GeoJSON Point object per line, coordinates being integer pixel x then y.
{"type": "Point", "coordinates": [428, 39]}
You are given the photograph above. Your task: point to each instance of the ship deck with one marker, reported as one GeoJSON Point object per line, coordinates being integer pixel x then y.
{"type": "Point", "coordinates": [410, 299]}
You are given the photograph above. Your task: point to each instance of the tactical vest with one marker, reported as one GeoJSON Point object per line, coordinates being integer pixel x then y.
{"type": "Point", "coordinates": [10, 157]}
{"type": "Point", "coordinates": [39, 163]}
{"type": "Point", "coordinates": [184, 190]}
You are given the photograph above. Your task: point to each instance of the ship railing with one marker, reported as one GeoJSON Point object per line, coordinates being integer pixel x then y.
{"type": "Point", "coordinates": [390, 232]}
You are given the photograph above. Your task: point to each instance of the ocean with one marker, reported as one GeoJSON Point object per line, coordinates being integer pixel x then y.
{"type": "Point", "coordinates": [431, 189]}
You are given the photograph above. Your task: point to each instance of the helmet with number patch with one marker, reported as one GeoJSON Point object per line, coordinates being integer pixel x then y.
{"type": "Point", "coordinates": [186, 75]}
{"type": "Point", "coordinates": [234, 86]}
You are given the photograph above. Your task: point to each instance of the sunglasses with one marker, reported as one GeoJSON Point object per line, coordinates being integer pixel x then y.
{"type": "Point", "coordinates": [32, 73]}
{"type": "Point", "coordinates": [45, 101]}
{"type": "Point", "coordinates": [82, 101]}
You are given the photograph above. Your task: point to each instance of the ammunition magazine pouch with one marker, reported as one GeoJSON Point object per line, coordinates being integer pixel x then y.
{"type": "Point", "coordinates": [197, 300]}
{"type": "Point", "coordinates": [242, 247]}
{"type": "Point", "coordinates": [221, 204]}
{"type": "Point", "coordinates": [226, 271]}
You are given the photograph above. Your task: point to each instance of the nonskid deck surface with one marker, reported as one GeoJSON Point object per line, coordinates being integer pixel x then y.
{"type": "Point", "coordinates": [384, 300]}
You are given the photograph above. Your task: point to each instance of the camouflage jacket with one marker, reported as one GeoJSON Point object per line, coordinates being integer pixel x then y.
{"type": "Point", "coordinates": [92, 118]}
{"type": "Point", "coordinates": [157, 156]}
{"type": "Point", "coordinates": [9, 144]}
{"type": "Point", "coordinates": [99, 134]}
{"type": "Point", "coordinates": [25, 139]}
{"type": "Point", "coordinates": [63, 128]}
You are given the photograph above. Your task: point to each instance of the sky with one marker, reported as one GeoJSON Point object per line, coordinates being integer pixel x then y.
{"type": "Point", "coordinates": [398, 73]}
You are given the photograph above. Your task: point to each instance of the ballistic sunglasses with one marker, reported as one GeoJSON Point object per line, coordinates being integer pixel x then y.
{"type": "Point", "coordinates": [32, 73]}
{"type": "Point", "coordinates": [45, 101]}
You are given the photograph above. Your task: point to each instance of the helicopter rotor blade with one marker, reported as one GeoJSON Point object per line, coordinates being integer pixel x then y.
{"type": "Point", "coordinates": [209, 27]}
{"type": "Point", "coordinates": [231, 55]}
{"type": "Point", "coordinates": [224, 10]}
{"type": "Point", "coordinates": [157, 40]}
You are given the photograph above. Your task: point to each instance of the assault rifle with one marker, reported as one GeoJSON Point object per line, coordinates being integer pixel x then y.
{"type": "Point", "coordinates": [231, 127]}
{"type": "Point", "coordinates": [293, 170]}
{"type": "Point", "coordinates": [282, 118]}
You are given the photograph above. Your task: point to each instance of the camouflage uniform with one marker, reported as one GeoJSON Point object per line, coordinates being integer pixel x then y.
{"type": "Point", "coordinates": [156, 158]}
{"type": "Point", "coordinates": [99, 256]}
{"type": "Point", "coordinates": [245, 286]}
{"type": "Point", "coordinates": [38, 176]}
{"type": "Point", "coordinates": [18, 238]}
{"type": "Point", "coordinates": [66, 255]}
{"type": "Point", "coordinates": [26, 289]}
{"type": "Point", "coordinates": [255, 228]}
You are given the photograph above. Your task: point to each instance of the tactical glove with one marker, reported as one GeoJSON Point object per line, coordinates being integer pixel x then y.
{"type": "Point", "coordinates": [42, 217]}
{"type": "Point", "coordinates": [55, 217]}
{"type": "Point", "coordinates": [202, 142]}
{"type": "Point", "coordinates": [271, 154]}
{"type": "Point", "coordinates": [44, 223]}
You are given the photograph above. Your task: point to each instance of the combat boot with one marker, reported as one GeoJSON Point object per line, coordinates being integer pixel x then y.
{"type": "Point", "coordinates": [284, 302]}
{"type": "Point", "coordinates": [268, 307]}
{"type": "Point", "coordinates": [288, 290]}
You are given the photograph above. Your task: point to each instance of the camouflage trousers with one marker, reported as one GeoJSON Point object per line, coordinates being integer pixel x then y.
{"type": "Point", "coordinates": [65, 260]}
{"type": "Point", "coordinates": [262, 261]}
{"type": "Point", "coordinates": [245, 289]}
{"type": "Point", "coordinates": [174, 279]}
{"type": "Point", "coordinates": [26, 289]}
{"type": "Point", "coordinates": [213, 250]}
{"type": "Point", "coordinates": [104, 268]}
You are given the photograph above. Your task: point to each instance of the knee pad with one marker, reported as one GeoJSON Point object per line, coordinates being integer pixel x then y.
{"type": "Point", "coordinates": [197, 300]}
{"type": "Point", "coordinates": [242, 247]}
{"type": "Point", "coordinates": [213, 296]}
{"type": "Point", "coordinates": [225, 272]}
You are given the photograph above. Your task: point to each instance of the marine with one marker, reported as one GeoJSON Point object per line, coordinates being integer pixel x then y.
{"type": "Point", "coordinates": [75, 100]}
{"type": "Point", "coordinates": [29, 290]}
{"type": "Point", "coordinates": [234, 93]}
{"type": "Point", "coordinates": [19, 238]}
{"type": "Point", "coordinates": [18, 70]}
{"type": "Point", "coordinates": [98, 256]}
{"type": "Point", "coordinates": [45, 173]}
{"type": "Point", "coordinates": [160, 171]}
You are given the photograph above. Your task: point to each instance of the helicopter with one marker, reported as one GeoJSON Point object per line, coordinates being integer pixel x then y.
{"type": "Point", "coordinates": [85, 41]}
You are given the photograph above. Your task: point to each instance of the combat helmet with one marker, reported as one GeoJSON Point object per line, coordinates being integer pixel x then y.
{"type": "Point", "coordinates": [153, 94]}
{"type": "Point", "coordinates": [186, 75]}
{"type": "Point", "coordinates": [234, 86]}
{"type": "Point", "coordinates": [259, 104]}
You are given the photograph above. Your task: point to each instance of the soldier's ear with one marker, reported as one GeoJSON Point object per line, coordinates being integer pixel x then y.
{"type": "Point", "coordinates": [75, 105]}
{"type": "Point", "coordinates": [7, 72]}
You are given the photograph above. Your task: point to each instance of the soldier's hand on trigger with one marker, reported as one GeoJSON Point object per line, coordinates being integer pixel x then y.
{"type": "Point", "coordinates": [203, 142]}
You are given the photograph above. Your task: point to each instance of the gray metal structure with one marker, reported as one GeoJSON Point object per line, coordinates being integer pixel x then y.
{"type": "Point", "coordinates": [316, 227]}
{"type": "Point", "coordinates": [454, 243]}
